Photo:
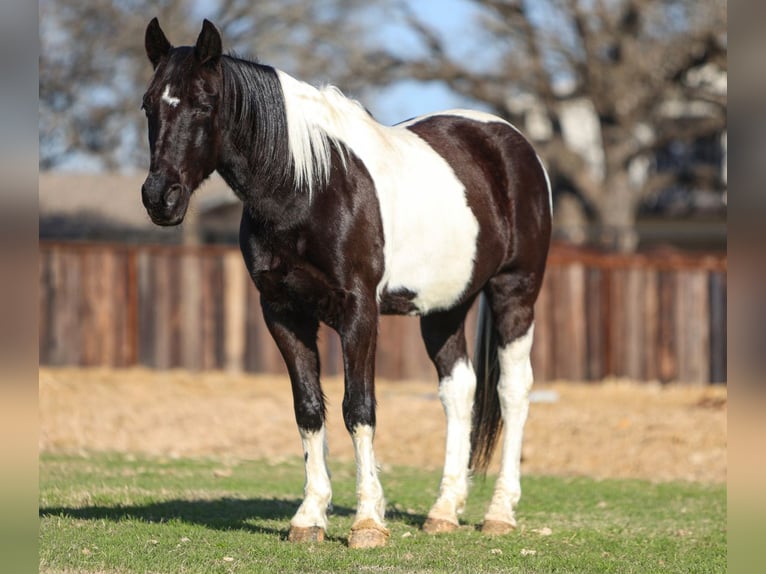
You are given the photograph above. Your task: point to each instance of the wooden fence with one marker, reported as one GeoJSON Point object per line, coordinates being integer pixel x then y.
{"type": "Point", "coordinates": [644, 317]}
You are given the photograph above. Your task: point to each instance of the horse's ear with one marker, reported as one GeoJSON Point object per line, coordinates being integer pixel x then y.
{"type": "Point", "coordinates": [208, 48]}
{"type": "Point", "coordinates": [155, 42]}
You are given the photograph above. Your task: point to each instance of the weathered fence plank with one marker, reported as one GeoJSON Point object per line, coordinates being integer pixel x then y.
{"type": "Point", "coordinates": [234, 311]}
{"type": "Point", "coordinates": [651, 329]}
{"type": "Point", "coordinates": [717, 327]}
{"type": "Point", "coordinates": [668, 363]}
{"type": "Point", "coordinates": [191, 305]}
{"type": "Point", "coordinates": [693, 337]}
{"type": "Point", "coordinates": [596, 319]}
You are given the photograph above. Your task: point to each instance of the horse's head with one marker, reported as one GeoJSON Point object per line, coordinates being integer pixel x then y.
{"type": "Point", "coordinates": [181, 106]}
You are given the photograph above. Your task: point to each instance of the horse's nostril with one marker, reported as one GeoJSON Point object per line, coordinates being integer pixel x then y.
{"type": "Point", "coordinates": [172, 195]}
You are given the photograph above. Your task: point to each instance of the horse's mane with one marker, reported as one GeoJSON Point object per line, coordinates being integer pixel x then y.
{"type": "Point", "coordinates": [257, 119]}
{"type": "Point", "coordinates": [285, 127]}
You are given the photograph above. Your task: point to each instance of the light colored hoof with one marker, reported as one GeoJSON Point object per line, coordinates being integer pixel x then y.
{"type": "Point", "coordinates": [438, 526]}
{"type": "Point", "coordinates": [306, 534]}
{"type": "Point", "coordinates": [368, 534]}
{"type": "Point", "coordinates": [497, 527]}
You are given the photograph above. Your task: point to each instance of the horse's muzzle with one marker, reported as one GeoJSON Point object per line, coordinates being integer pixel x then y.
{"type": "Point", "coordinates": [165, 205]}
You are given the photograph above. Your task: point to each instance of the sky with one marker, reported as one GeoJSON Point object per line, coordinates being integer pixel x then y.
{"type": "Point", "coordinates": [453, 20]}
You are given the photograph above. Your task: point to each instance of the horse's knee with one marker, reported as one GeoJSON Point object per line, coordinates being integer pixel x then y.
{"type": "Point", "coordinates": [308, 416]}
{"type": "Point", "coordinates": [358, 411]}
{"type": "Point", "coordinates": [309, 406]}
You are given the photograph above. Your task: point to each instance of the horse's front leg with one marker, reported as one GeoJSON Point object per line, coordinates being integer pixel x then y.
{"type": "Point", "coordinates": [359, 336]}
{"type": "Point", "coordinates": [296, 335]}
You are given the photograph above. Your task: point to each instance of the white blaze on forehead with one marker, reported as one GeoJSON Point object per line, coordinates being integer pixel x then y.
{"type": "Point", "coordinates": [168, 99]}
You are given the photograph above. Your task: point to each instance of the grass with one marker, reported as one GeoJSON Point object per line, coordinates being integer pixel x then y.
{"type": "Point", "coordinates": [110, 513]}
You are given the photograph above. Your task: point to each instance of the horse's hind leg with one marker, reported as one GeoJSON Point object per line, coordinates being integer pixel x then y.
{"type": "Point", "coordinates": [444, 337]}
{"type": "Point", "coordinates": [296, 338]}
{"type": "Point", "coordinates": [511, 298]}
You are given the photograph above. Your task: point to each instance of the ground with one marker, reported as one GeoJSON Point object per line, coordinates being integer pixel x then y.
{"type": "Point", "coordinates": [615, 429]}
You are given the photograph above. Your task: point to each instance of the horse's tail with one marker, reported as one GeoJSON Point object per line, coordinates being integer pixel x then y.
{"type": "Point", "coordinates": [487, 419]}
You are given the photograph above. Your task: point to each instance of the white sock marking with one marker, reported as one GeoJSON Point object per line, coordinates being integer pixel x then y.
{"type": "Point", "coordinates": [456, 393]}
{"type": "Point", "coordinates": [369, 492]}
{"type": "Point", "coordinates": [317, 491]}
{"type": "Point", "coordinates": [168, 99]}
{"type": "Point", "coordinates": [514, 386]}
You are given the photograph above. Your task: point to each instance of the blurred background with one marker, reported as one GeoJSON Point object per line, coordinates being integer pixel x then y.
{"type": "Point", "coordinates": [625, 100]}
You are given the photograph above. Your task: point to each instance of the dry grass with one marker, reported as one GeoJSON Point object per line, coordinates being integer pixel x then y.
{"type": "Point", "coordinates": [611, 430]}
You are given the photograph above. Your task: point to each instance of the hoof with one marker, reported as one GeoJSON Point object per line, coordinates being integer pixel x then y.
{"type": "Point", "coordinates": [368, 534]}
{"type": "Point", "coordinates": [438, 526]}
{"type": "Point", "coordinates": [306, 534]}
{"type": "Point", "coordinates": [497, 527]}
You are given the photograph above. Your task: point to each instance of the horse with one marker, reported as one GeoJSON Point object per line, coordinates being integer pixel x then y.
{"type": "Point", "coordinates": [345, 219]}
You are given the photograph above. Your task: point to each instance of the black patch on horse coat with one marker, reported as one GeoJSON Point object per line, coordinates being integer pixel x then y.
{"type": "Point", "coordinates": [340, 240]}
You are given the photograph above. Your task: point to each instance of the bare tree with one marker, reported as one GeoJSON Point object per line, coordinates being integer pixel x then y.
{"type": "Point", "coordinates": [93, 69]}
{"type": "Point", "coordinates": [646, 72]}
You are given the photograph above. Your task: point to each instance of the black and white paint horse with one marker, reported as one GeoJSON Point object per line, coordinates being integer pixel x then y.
{"type": "Point", "coordinates": [345, 219]}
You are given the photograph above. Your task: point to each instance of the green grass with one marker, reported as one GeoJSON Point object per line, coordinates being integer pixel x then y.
{"type": "Point", "coordinates": [110, 513]}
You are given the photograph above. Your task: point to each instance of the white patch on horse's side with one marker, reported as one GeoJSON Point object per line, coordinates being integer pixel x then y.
{"type": "Point", "coordinates": [456, 393]}
{"type": "Point", "coordinates": [317, 491]}
{"type": "Point", "coordinates": [513, 390]}
{"type": "Point", "coordinates": [430, 231]}
{"type": "Point", "coordinates": [369, 492]}
{"type": "Point", "coordinates": [168, 99]}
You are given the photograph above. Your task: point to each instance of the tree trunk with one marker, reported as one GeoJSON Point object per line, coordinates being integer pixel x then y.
{"type": "Point", "coordinates": [617, 210]}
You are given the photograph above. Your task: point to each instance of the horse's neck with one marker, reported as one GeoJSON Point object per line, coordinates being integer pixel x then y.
{"type": "Point", "coordinates": [234, 170]}
{"type": "Point", "coordinates": [282, 208]}
{"type": "Point", "coordinates": [314, 119]}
